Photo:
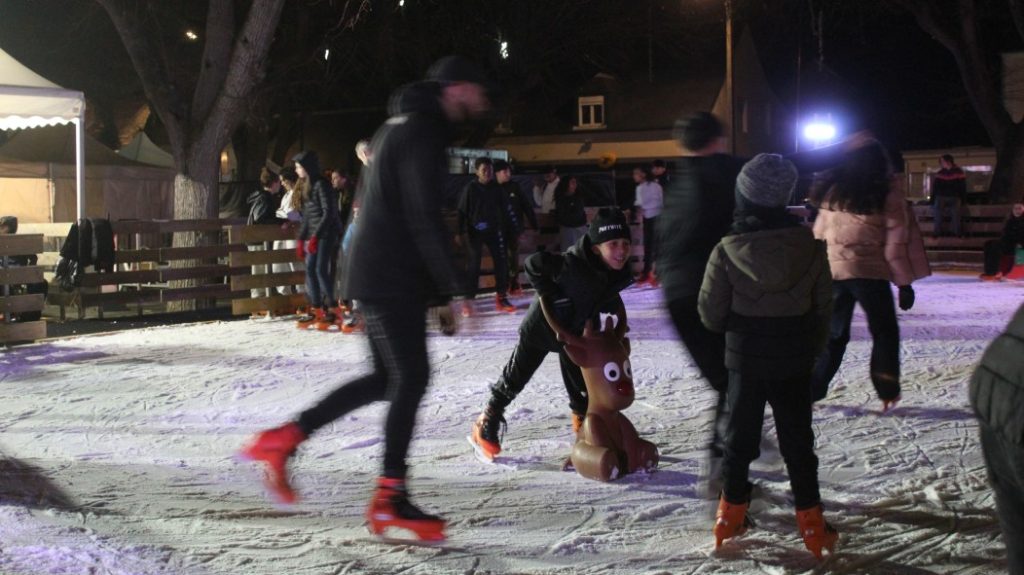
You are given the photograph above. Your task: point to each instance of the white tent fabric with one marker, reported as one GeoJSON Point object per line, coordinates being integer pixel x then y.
{"type": "Point", "coordinates": [27, 100]}
{"type": "Point", "coordinates": [142, 149]}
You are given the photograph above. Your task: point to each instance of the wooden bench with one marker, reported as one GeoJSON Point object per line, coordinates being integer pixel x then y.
{"type": "Point", "coordinates": [20, 245]}
{"type": "Point", "coordinates": [243, 279]}
{"type": "Point", "coordinates": [147, 265]}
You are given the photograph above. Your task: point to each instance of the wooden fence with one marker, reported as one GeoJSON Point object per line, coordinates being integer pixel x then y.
{"type": "Point", "coordinates": [12, 275]}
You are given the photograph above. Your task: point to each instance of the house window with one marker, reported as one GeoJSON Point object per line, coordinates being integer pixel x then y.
{"type": "Point", "coordinates": [591, 113]}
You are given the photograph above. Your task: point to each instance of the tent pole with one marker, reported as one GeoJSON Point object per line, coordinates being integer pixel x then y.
{"type": "Point", "coordinates": [80, 161]}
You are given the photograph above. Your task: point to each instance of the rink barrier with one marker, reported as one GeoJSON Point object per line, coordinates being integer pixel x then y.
{"type": "Point", "coordinates": [20, 245]}
{"type": "Point", "coordinates": [146, 262]}
{"type": "Point", "coordinates": [244, 279]}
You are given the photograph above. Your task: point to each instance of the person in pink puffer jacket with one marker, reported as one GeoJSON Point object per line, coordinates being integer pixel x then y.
{"type": "Point", "coordinates": [872, 240]}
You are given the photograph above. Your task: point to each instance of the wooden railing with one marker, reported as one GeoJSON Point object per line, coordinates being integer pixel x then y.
{"type": "Point", "coordinates": [244, 278]}
{"type": "Point", "coordinates": [10, 276]}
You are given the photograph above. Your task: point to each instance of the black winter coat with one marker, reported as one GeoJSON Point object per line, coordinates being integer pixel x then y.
{"type": "Point", "coordinates": [263, 207]}
{"type": "Point", "coordinates": [320, 216]}
{"type": "Point", "coordinates": [697, 213]}
{"type": "Point", "coordinates": [997, 386]}
{"type": "Point", "coordinates": [580, 286]}
{"type": "Point", "coordinates": [401, 247]}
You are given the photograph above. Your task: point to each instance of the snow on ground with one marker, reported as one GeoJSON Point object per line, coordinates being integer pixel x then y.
{"type": "Point", "coordinates": [116, 456]}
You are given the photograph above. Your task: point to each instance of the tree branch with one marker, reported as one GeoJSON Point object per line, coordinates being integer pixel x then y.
{"type": "Point", "coordinates": [220, 22]}
{"type": "Point", "coordinates": [129, 19]}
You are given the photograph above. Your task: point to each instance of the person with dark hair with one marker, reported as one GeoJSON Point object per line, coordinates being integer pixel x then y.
{"type": "Point", "coordinates": [659, 171]}
{"type": "Point", "coordinates": [767, 287]}
{"type": "Point", "coordinates": [289, 212]}
{"type": "Point", "coordinates": [999, 253]}
{"type": "Point", "coordinates": [864, 218]}
{"type": "Point", "coordinates": [697, 213]}
{"type": "Point", "coordinates": [263, 204]}
{"type": "Point", "coordinates": [949, 192]}
{"type": "Point", "coordinates": [579, 285]}
{"type": "Point", "coordinates": [400, 264]}
{"type": "Point", "coordinates": [569, 212]}
{"type": "Point", "coordinates": [649, 198]}
{"type": "Point", "coordinates": [997, 397]}
{"type": "Point", "coordinates": [544, 190]}
{"type": "Point", "coordinates": [522, 209]}
{"type": "Point", "coordinates": [485, 218]}
{"type": "Point", "coordinates": [318, 240]}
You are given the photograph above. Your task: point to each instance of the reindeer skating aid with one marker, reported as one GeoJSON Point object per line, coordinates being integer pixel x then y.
{"type": "Point", "coordinates": [607, 445]}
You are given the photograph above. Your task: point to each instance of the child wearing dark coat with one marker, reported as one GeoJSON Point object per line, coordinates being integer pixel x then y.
{"type": "Point", "coordinates": [768, 287]}
{"type": "Point", "coordinates": [580, 285]}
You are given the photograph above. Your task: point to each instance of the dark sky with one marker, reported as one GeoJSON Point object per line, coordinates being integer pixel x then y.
{"type": "Point", "coordinates": [882, 73]}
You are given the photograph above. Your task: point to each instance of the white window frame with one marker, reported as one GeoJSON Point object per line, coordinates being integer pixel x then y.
{"type": "Point", "coordinates": [593, 102]}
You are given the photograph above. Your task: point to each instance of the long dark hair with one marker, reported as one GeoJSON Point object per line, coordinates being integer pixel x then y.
{"type": "Point", "coordinates": [859, 184]}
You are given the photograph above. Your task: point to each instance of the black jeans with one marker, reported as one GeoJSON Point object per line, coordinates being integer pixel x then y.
{"type": "Point", "coordinates": [495, 243]}
{"type": "Point", "coordinates": [707, 349]}
{"type": "Point", "coordinates": [650, 243]}
{"type": "Point", "coordinates": [401, 372]}
{"type": "Point", "coordinates": [1005, 463]}
{"type": "Point", "coordinates": [791, 408]}
{"type": "Point", "coordinates": [875, 298]}
{"type": "Point", "coordinates": [525, 360]}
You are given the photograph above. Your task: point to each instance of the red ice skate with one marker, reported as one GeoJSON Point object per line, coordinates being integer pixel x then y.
{"type": "Point", "coordinates": [501, 303]}
{"type": "Point", "coordinates": [390, 507]}
{"type": "Point", "coordinates": [274, 447]}
{"type": "Point", "coordinates": [730, 521]}
{"type": "Point", "coordinates": [315, 315]}
{"type": "Point", "coordinates": [487, 433]}
{"type": "Point", "coordinates": [817, 533]}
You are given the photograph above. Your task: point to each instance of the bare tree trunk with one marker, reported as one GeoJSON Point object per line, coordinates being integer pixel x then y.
{"type": "Point", "coordinates": [1008, 180]}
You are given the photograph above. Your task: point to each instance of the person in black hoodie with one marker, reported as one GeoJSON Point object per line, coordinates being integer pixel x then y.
{"type": "Point", "coordinates": [485, 218]}
{"type": "Point", "coordinates": [319, 237]}
{"type": "Point", "coordinates": [1005, 246]}
{"type": "Point", "coordinates": [580, 284]}
{"type": "Point", "coordinates": [522, 208]}
{"type": "Point", "coordinates": [399, 265]}
{"type": "Point", "coordinates": [569, 212]}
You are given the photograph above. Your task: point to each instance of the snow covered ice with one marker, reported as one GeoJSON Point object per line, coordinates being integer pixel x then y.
{"type": "Point", "coordinates": [118, 457]}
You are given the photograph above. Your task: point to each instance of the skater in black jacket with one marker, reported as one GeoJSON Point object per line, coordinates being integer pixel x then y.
{"type": "Point", "coordinates": [485, 218]}
{"type": "Point", "coordinates": [400, 263]}
{"type": "Point", "coordinates": [580, 284]}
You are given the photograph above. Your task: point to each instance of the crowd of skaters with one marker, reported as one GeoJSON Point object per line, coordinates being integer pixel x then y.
{"type": "Point", "coordinates": [762, 303]}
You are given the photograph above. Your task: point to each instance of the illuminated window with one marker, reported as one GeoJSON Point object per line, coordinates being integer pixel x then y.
{"type": "Point", "coordinates": [591, 113]}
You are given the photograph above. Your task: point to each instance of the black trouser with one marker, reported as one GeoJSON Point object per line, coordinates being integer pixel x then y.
{"type": "Point", "coordinates": [707, 349]}
{"type": "Point", "coordinates": [401, 371]}
{"type": "Point", "coordinates": [791, 408]}
{"type": "Point", "coordinates": [495, 243]}
{"type": "Point", "coordinates": [513, 260]}
{"type": "Point", "coordinates": [525, 360]}
{"type": "Point", "coordinates": [875, 298]}
{"type": "Point", "coordinates": [650, 243]}
{"type": "Point", "coordinates": [1005, 463]}
{"type": "Point", "coordinates": [994, 252]}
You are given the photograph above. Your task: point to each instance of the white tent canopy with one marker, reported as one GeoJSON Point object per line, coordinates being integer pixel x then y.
{"type": "Point", "coordinates": [27, 100]}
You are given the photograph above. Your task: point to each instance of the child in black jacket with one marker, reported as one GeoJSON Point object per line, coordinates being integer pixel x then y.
{"type": "Point", "coordinates": [580, 284]}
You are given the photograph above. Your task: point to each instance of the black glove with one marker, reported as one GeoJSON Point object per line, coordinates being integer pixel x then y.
{"type": "Point", "coordinates": [906, 297]}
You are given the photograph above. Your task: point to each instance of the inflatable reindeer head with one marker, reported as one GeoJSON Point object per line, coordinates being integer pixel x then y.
{"type": "Point", "coordinates": [602, 353]}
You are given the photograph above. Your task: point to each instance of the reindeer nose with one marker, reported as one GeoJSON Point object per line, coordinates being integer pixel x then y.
{"type": "Point", "coordinates": [625, 387]}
